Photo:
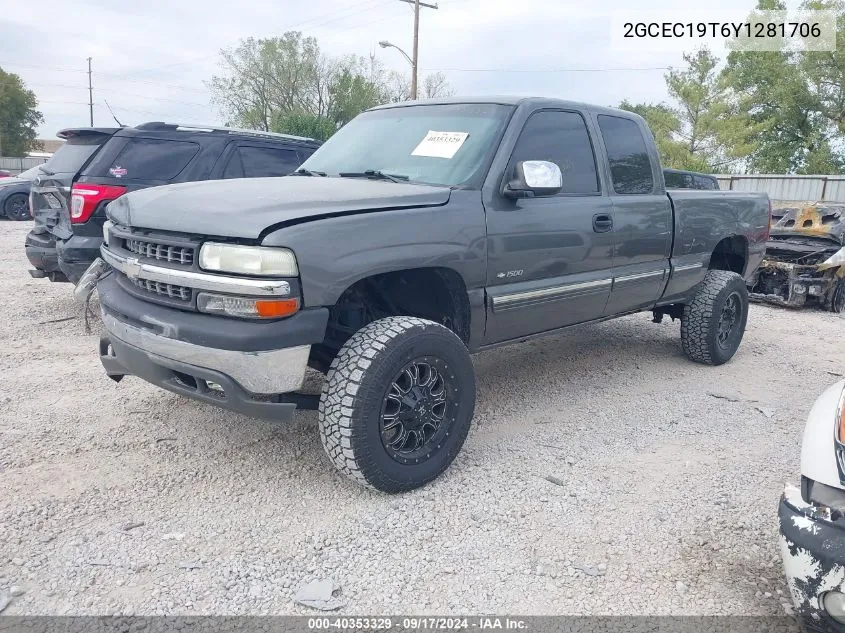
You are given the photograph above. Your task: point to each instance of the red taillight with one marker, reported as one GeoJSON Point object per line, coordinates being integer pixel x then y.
{"type": "Point", "coordinates": [84, 199]}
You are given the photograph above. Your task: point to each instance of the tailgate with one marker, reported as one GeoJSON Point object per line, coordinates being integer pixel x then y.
{"type": "Point", "coordinates": [49, 196]}
{"type": "Point", "coordinates": [50, 192]}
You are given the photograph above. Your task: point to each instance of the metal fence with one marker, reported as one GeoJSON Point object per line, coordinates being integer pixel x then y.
{"type": "Point", "coordinates": [788, 188]}
{"type": "Point", "coordinates": [17, 165]}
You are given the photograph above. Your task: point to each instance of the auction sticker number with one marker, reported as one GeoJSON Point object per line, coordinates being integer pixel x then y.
{"type": "Point", "coordinates": [440, 144]}
{"type": "Point", "coordinates": [350, 623]}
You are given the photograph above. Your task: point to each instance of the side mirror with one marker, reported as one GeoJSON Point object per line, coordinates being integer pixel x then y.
{"type": "Point", "coordinates": [534, 179]}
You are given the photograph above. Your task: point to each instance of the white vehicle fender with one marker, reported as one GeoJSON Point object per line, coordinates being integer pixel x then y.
{"type": "Point", "coordinates": [818, 454]}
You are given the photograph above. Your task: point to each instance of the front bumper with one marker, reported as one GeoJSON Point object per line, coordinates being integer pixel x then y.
{"type": "Point", "coordinates": [76, 254]}
{"type": "Point", "coordinates": [792, 285]}
{"type": "Point", "coordinates": [813, 552]}
{"type": "Point", "coordinates": [230, 363]}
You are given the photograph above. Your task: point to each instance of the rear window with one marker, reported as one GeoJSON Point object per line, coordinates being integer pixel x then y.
{"type": "Point", "coordinates": [261, 162]}
{"type": "Point", "coordinates": [627, 153]}
{"type": "Point", "coordinates": [71, 156]}
{"type": "Point", "coordinates": [152, 159]}
{"type": "Point", "coordinates": [678, 181]}
{"type": "Point", "coordinates": [705, 183]}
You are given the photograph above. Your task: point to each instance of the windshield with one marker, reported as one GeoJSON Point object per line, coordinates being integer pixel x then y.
{"type": "Point", "coordinates": [434, 144]}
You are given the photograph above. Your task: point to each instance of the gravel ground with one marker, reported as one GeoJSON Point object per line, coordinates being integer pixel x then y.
{"type": "Point", "coordinates": [605, 474]}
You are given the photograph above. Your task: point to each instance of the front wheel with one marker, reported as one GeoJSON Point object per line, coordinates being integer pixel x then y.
{"type": "Point", "coordinates": [397, 403]}
{"type": "Point", "coordinates": [713, 322]}
{"type": "Point", "coordinates": [17, 207]}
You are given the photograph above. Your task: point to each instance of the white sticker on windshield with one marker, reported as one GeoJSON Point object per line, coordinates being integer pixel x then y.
{"type": "Point", "coordinates": [440, 144]}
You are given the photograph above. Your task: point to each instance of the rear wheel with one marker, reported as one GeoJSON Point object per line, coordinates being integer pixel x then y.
{"type": "Point", "coordinates": [16, 207]}
{"type": "Point", "coordinates": [714, 321]}
{"type": "Point", "coordinates": [837, 300]}
{"type": "Point", "coordinates": [397, 403]}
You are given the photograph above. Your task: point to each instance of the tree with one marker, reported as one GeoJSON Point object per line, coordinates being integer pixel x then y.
{"type": "Point", "coordinates": [665, 124]}
{"type": "Point", "coordinates": [713, 128]}
{"type": "Point", "coordinates": [286, 84]}
{"type": "Point", "coordinates": [352, 91]}
{"type": "Point", "coordinates": [18, 116]}
{"type": "Point", "coordinates": [702, 129]}
{"type": "Point", "coordinates": [795, 101]}
{"type": "Point", "coordinates": [436, 85]}
{"type": "Point", "coordinates": [264, 76]}
{"type": "Point", "coordinates": [308, 125]}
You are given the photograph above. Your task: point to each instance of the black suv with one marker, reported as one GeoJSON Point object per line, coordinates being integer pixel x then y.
{"type": "Point", "coordinates": [156, 154]}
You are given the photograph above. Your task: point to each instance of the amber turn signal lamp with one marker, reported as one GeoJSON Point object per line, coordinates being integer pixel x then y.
{"type": "Point", "coordinates": [276, 308]}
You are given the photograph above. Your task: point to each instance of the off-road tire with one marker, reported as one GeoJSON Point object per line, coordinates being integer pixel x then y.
{"type": "Point", "coordinates": [356, 386]}
{"type": "Point", "coordinates": [700, 319]}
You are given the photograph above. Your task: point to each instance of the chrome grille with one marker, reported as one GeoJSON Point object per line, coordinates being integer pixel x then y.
{"type": "Point", "coordinates": [162, 252]}
{"type": "Point", "coordinates": [168, 290]}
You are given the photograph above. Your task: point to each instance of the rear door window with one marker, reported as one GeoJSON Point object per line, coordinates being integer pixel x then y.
{"type": "Point", "coordinates": [627, 153]}
{"type": "Point", "coordinates": [152, 159]}
{"type": "Point", "coordinates": [262, 162]}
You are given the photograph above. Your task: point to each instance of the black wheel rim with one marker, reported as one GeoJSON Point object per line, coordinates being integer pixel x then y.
{"type": "Point", "coordinates": [837, 303]}
{"type": "Point", "coordinates": [417, 411]}
{"type": "Point", "coordinates": [17, 207]}
{"type": "Point", "coordinates": [729, 319]}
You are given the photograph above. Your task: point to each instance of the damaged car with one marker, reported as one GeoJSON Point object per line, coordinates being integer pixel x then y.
{"type": "Point", "coordinates": [805, 259]}
{"type": "Point", "coordinates": [812, 518]}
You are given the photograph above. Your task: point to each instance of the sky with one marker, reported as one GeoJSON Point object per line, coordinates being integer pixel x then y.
{"type": "Point", "coordinates": [151, 58]}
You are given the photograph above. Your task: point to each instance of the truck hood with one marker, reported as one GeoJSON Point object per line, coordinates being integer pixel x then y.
{"type": "Point", "coordinates": [817, 221]}
{"type": "Point", "coordinates": [245, 207]}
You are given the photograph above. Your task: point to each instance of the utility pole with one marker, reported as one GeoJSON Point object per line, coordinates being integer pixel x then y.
{"type": "Point", "coordinates": [90, 95]}
{"type": "Point", "coordinates": [415, 58]}
{"type": "Point", "coordinates": [416, 49]}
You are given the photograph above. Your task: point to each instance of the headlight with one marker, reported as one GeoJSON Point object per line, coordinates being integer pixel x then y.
{"type": "Point", "coordinates": [106, 226]}
{"type": "Point", "coordinates": [248, 260]}
{"type": "Point", "coordinates": [840, 418]}
{"type": "Point", "coordinates": [246, 308]}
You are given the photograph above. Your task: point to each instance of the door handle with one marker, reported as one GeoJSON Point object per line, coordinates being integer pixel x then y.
{"type": "Point", "coordinates": [602, 223]}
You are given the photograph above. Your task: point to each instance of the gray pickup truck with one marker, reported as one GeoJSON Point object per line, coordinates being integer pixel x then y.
{"type": "Point", "coordinates": [418, 234]}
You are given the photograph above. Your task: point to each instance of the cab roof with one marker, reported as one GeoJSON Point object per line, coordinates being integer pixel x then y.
{"type": "Point", "coordinates": [514, 100]}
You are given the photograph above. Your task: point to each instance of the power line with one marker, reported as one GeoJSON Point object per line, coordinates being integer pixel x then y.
{"type": "Point", "coordinates": [350, 11]}
{"type": "Point", "coordinates": [156, 83]}
{"type": "Point", "coordinates": [50, 68]}
{"type": "Point", "coordinates": [140, 96]}
{"type": "Point", "coordinates": [545, 70]}
{"type": "Point", "coordinates": [333, 15]}
{"type": "Point", "coordinates": [336, 17]}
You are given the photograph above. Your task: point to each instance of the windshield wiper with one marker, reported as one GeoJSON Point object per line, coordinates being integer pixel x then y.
{"type": "Point", "coordinates": [308, 172]}
{"type": "Point", "coordinates": [375, 174]}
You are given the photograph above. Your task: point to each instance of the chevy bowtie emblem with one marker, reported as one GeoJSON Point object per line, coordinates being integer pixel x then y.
{"type": "Point", "coordinates": [132, 267]}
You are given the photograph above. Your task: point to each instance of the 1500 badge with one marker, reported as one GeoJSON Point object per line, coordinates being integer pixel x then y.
{"type": "Point", "coordinates": [510, 273]}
